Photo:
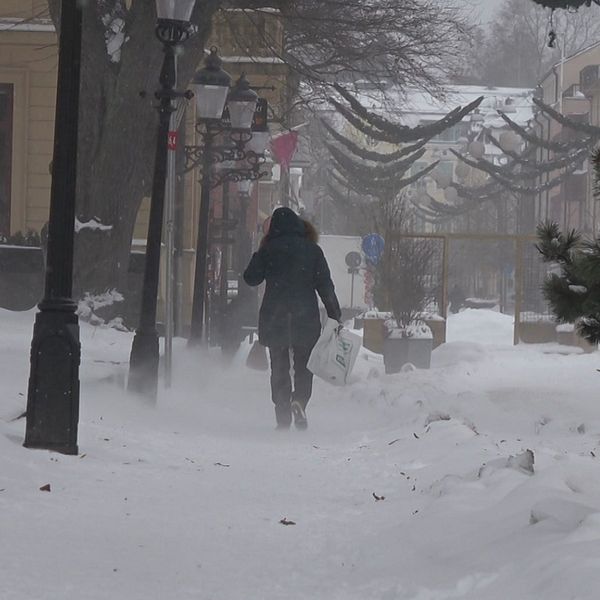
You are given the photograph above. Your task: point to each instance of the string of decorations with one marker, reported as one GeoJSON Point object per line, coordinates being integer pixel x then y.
{"type": "Point", "coordinates": [374, 170]}
{"type": "Point", "coordinates": [371, 155]}
{"type": "Point", "coordinates": [402, 134]}
{"type": "Point", "coordinates": [565, 121]}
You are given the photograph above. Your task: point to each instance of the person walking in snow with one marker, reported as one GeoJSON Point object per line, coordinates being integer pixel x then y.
{"type": "Point", "coordinates": [294, 268]}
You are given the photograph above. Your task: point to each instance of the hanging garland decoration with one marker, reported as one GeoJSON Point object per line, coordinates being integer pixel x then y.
{"type": "Point", "coordinates": [484, 193]}
{"type": "Point", "coordinates": [359, 124]}
{"type": "Point", "coordinates": [589, 130]}
{"type": "Point", "coordinates": [565, 4]}
{"type": "Point", "coordinates": [534, 139]}
{"type": "Point", "coordinates": [338, 196]}
{"type": "Point", "coordinates": [375, 186]}
{"type": "Point", "coordinates": [343, 190]}
{"type": "Point", "coordinates": [529, 149]}
{"type": "Point", "coordinates": [528, 190]}
{"type": "Point", "coordinates": [430, 216]}
{"type": "Point", "coordinates": [449, 210]}
{"type": "Point", "coordinates": [403, 133]}
{"type": "Point", "coordinates": [379, 187]}
{"type": "Point", "coordinates": [370, 154]}
{"type": "Point", "coordinates": [490, 168]}
{"type": "Point", "coordinates": [359, 187]}
{"type": "Point", "coordinates": [374, 170]}
{"type": "Point", "coordinates": [503, 178]}
{"type": "Point", "coordinates": [507, 171]}
{"type": "Point", "coordinates": [342, 181]}
{"type": "Point", "coordinates": [541, 167]}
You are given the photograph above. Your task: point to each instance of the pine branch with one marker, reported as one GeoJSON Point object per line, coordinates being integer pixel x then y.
{"type": "Point", "coordinates": [566, 304]}
{"type": "Point", "coordinates": [588, 327]}
{"type": "Point", "coordinates": [554, 246]}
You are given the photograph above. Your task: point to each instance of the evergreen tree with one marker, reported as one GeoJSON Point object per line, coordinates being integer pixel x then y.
{"type": "Point", "coordinates": [573, 291]}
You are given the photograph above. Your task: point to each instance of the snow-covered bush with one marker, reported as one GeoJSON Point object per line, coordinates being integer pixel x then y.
{"type": "Point", "coordinates": [90, 303]}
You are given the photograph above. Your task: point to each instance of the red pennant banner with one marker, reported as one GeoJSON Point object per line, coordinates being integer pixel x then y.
{"type": "Point", "coordinates": [284, 147]}
{"type": "Point", "coordinates": [172, 141]}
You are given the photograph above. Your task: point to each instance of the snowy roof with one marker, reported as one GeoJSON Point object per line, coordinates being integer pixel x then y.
{"type": "Point", "coordinates": [414, 106]}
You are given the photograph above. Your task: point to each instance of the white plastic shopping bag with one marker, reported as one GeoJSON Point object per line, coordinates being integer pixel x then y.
{"type": "Point", "coordinates": [334, 354]}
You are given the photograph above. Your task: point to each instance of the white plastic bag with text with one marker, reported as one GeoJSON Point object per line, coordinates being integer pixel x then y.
{"type": "Point", "coordinates": [334, 354]}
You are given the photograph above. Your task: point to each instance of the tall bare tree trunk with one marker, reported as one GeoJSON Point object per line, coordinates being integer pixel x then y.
{"type": "Point", "coordinates": [117, 130]}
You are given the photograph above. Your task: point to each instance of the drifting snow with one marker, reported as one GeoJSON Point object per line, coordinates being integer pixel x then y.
{"type": "Point", "coordinates": [416, 486]}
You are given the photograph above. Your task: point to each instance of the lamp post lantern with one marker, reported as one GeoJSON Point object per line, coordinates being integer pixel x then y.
{"type": "Point", "coordinates": [172, 28]}
{"type": "Point", "coordinates": [241, 102]}
{"type": "Point", "coordinates": [212, 85]}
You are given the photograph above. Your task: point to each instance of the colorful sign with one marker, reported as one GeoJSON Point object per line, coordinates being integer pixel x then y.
{"type": "Point", "coordinates": [373, 245]}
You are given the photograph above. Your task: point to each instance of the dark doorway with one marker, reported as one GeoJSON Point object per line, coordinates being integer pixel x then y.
{"type": "Point", "coordinates": [6, 125]}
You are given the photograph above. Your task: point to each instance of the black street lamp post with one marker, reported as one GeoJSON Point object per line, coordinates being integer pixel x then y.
{"type": "Point", "coordinates": [239, 160]}
{"type": "Point", "coordinates": [211, 87]}
{"type": "Point", "coordinates": [173, 27]}
{"type": "Point", "coordinates": [241, 103]}
{"type": "Point", "coordinates": [53, 394]}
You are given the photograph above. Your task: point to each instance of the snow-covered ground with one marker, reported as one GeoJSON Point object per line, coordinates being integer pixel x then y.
{"type": "Point", "coordinates": [184, 501]}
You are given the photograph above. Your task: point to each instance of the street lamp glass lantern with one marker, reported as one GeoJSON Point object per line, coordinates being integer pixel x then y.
{"type": "Point", "coordinates": [259, 142]}
{"type": "Point", "coordinates": [175, 10]}
{"type": "Point", "coordinates": [242, 104]}
{"type": "Point", "coordinates": [211, 85]}
{"type": "Point", "coordinates": [245, 187]}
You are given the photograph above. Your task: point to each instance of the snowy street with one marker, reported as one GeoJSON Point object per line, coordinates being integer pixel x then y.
{"type": "Point", "coordinates": [185, 500]}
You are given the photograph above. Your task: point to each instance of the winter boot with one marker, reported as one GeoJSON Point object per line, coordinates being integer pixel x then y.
{"type": "Point", "coordinates": [299, 415]}
{"type": "Point", "coordinates": [283, 414]}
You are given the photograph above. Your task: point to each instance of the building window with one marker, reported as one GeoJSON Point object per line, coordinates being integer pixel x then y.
{"type": "Point", "coordinates": [450, 135]}
{"type": "Point", "coordinates": [6, 126]}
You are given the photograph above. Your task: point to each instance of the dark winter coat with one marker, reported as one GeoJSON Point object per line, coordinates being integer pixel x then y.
{"type": "Point", "coordinates": [294, 268]}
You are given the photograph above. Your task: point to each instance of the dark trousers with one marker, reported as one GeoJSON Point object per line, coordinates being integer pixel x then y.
{"type": "Point", "coordinates": [281, 382]}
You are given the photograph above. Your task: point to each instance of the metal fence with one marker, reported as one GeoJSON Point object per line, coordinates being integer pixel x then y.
{"type": "Point", "coordinates": [502, 270]}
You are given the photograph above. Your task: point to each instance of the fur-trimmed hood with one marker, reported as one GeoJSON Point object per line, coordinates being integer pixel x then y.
{"type": "Point", "coordinates": [311, 231]}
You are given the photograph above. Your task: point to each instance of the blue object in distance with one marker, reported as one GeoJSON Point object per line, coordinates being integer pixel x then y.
{"type": "Point", "coordinates": [373, 245]}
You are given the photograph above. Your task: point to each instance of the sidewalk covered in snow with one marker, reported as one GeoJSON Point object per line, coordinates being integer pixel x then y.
{"type": "Point", "coordinates": [476, 479]}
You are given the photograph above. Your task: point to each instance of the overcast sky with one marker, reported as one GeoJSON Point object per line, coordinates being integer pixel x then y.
{"type": "Point", "coordinates": [485, 7]}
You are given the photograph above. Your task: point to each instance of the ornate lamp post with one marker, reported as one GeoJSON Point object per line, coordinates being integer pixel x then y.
{"type": "Point", "coordinates": [53, 395]}
{"type": "Point", "coordinates": [241, 103]}
{"type": "Point", "coordinates": [173, 27]}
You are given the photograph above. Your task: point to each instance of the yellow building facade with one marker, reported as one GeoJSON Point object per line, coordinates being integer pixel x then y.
{"type": "Point", "coordinates": [28, 75]}
{"type": "Point", "coordinates": [28, 63]}
{"type": "Point", "coordinates": [571, 87]}
{"type": "Point", "coordinates": [28, 71]}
